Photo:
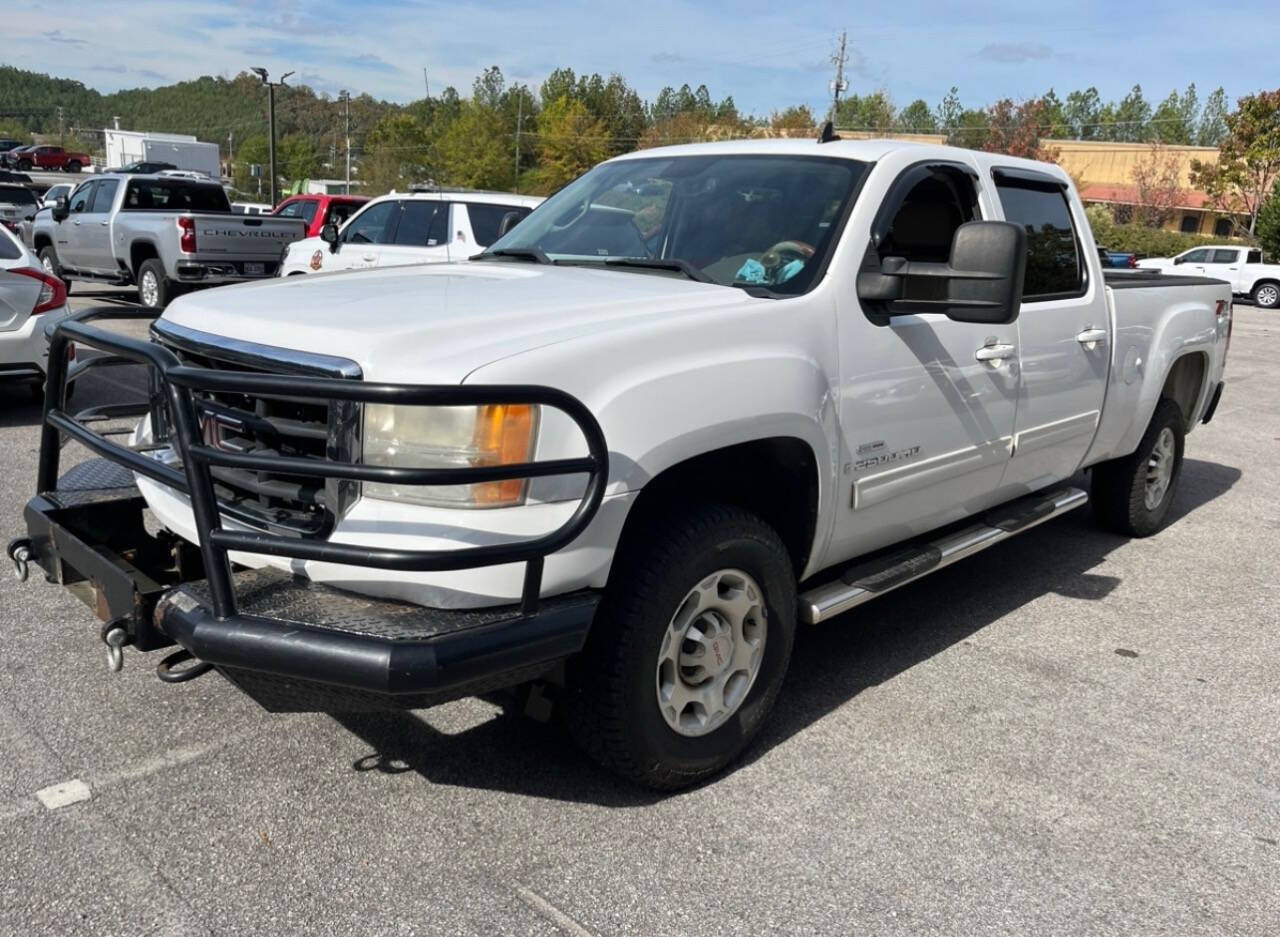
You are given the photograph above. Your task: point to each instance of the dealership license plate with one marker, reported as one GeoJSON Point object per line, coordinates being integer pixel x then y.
{"type": "Point", "coordinates": [254, 270]}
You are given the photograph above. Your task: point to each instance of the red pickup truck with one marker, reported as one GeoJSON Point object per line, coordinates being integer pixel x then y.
{"type": "Point", "coordinates": [52, 157]}
{"type": "Point", "coordinates": [320, 210]}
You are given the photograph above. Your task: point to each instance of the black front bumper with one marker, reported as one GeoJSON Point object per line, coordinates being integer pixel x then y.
{"type": "Point", "coordinates": [292, 644]}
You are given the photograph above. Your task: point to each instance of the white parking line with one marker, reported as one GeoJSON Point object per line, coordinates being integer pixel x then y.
{"type": "Point", "coordinates": [65, 794]}
{"type": "Point", "coordinates": [551, 912]}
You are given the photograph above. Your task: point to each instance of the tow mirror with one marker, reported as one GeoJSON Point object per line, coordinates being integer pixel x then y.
{"type": "Point", "coordinates": [329, 234]}
{"type": "Point", "coordinates": [981, 283]}
{"type": "Point", "coordinates": [509, 221]}
{"type": "Point", "coordinates": [59, 210]}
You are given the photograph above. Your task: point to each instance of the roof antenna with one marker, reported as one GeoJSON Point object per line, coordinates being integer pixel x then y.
{"type": "Point", "coordinates": [827, 134]}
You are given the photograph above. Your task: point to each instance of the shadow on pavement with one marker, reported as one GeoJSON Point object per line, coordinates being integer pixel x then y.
{"type": "Point", "coordinates": [831, 665]}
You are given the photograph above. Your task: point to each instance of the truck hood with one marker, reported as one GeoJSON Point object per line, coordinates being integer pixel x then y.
{"type": "Point", "coordinates": [437, 323]}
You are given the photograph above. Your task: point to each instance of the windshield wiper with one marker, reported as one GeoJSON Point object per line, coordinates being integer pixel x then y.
{"type": "Point", "coordinates": [535, 254]}
{"type": "Point", "coordinates": [661, 263]}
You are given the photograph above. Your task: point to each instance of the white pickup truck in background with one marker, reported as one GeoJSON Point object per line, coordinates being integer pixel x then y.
{"type": "Point", "coordinates": [701, 395]}
{"type": "Point", "coordinates": [410, 228]}
{"type": "Point", "coordinates": [1242, 267]}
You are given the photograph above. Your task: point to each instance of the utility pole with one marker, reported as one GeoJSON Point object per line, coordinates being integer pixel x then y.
{"type": "Point", "coordinates": [519, 124]}
{"type": "Point", "coordinates": [346, 99]}
{"type": "Point", "coordinates": [839, 85]}
{"type": "Point", "coordinates": [271, 122]}
{"type": "Point", "coordinates": [62, 136]}
{"type": "Point", "coordinates": [426, 84]}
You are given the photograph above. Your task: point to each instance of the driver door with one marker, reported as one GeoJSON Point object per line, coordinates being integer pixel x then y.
{"type": "Point", "coordinates": [363, 237]}
{"type": "Point", "coordinates": [927, 426]}
{"type": "Point", "coordinates": [69, 238]}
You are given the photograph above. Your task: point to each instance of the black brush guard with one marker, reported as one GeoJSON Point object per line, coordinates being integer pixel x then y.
{"type": "Point", "coordinates": [290, 643]}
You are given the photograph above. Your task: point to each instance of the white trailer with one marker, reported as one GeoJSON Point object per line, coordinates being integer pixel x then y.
{"type": "Point", "coordinates": [182, 150]}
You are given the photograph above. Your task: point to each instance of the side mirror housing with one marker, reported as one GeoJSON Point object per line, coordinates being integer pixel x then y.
{"type": "Point", "coordinates": [509, 221]}
{"type": "Point", "coordinates": [1179, 260]}
{"type": "Point", "coordinates": [981, 283]}
{"type": "Point", "coordinates": [59, 210]}
{"type": "Point", "coordinates": [329, 234]}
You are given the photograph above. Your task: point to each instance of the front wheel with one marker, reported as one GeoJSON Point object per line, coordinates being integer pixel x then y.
{"type": "Point", "coordinates": [24, 165]}
{"type": "Point", "coordinates": [1132, 495]}
{"type": "Point", "coordinates": [49, 261]}
{"type": "Point", "coordinates": [689, 648]}
{"type": "Point", "coordinates": [1266, 295]}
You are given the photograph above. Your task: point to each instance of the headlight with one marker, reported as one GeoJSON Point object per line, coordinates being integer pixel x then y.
{"type": "Point", "coordinates": [450, 437]}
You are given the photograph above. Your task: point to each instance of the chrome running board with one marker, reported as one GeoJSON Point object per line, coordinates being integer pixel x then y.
{"type": "Point", "coordinates": [864, 581]}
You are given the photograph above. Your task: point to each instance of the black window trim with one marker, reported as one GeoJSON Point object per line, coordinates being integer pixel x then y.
{"type": "Point", "coordinates": [1016, 177]}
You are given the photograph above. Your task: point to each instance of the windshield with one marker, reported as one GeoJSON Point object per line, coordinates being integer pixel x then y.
{"type": "Point", "coordinates": [16, 195]}
{"type": "Point", "coordinates": [748, 221]}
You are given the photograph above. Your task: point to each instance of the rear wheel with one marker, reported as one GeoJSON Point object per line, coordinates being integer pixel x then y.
{"type": "Point", "coordinates": [1132, 495]}
{"type": "Point", "coordinates": [73, 166]}
{"type": "Point", "coordinates": [689, 648]}
{"type": "Point", "coordinates": [49, 261]}
{"type": "Point", "coordinates": [154, 288]}
{"type": "Point", "coordinates": [1267, 295]}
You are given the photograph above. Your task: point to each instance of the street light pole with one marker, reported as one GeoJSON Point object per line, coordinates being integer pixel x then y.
{"type": "Point", "coordinates": [271, 122]}
{"type": "Point", "coordinates": [346, 99]}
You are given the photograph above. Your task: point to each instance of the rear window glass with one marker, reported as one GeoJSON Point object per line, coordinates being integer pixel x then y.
{"type": "Point", "coordinates": [485, 220]}
{"type": "Point", "coordinates": [16, 195]}
{"type": "Point", "coordinates": [174, 195]}
{"type": "Point", "coordinates": [1224, 257]}
{"type": "Point", "coordinates": [1053, 255]}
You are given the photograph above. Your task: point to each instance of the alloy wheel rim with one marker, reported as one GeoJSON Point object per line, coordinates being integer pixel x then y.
{"type": "Point", "coordinates": [150, 289]}
{"type": "Point", "coordinates": [1160, 469]}
{"type": "Point", "coordinates": [47, 262]}
{"type": "Point", "coordinates": [1268, 295]}
{"type": "Point", "coordinates": [711, 652]}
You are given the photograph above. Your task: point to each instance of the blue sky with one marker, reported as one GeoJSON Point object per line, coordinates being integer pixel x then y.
{"type": "Point", "coordinates": [766, 54]}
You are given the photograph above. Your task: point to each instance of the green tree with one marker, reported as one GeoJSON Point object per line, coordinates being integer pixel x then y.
{"type": "Point", "coordinates": [472, 155]}
{"type": "Point", "coordinates": [254, 151]}
{"type": "Point", "coordinates": [1082, 114]}
{"type": "Point", "coordinates": [1175, 119]}
{"type": "Point", "coordinates": [793, 121]}
{"type": "Point", "coordinates": [397, 153]}
{"type": "Point", "coordinates": [1133, 116]}
{"type": "Point", "coordinates": [297, 158]}
{"type": "Point", "coordinates": [1269, 223]}
{"type": "Point", "coordinates": [570, 141]}
{"type": "Point", "coordinates": [1213, 119]}
{"type": "Point", "coordinates": [874, 112]}
{"type": "Point", "coordinates": [916, 117]}
{"type": "Point", "coordinates": [950, 112]}
{"type": "Point", "coordinates": [1248, 160]}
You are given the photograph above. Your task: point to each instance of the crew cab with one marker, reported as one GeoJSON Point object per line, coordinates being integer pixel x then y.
{"type": "Point", "coordinates": [410, 228]}
{"type": "Point", "coordinates": [320, 210]}
{"type": "Point", "coordinates": [1240, 266]}
{"type": "Point", "coordinates": [47, 157]}
{"type": "Point", "coordinates": [701, 396]}
{"type": "Point", "coordinates": [166, 234]}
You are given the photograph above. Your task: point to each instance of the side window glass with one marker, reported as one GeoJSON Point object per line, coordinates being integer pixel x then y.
{"type": "Point", "coordinates": [1224, 257]}
{"type": "Point", "coordinates": [1196, 257]}
{"type": "Point", "coordinates": [1054, 267]}
{"type": "Point", "coordinates": [80, 198]}
{"type": "Point", "coordinates": [104, 196]}
{"type": "Point", "coordinates": [289, 211]}
{"type": "Point", "coordinates": [371, 225]}
{"type": "Point", "coordinates": [1255, 257]}
{"type": "Point", "coordinates": [416, 222]}
{"type": "Point", "coordinates": [307, 211]}
{"type": "Point", "coordinates": [340, 212]}
{"type": "Point", "coordinates": [924, 224]}
{"type": "Point", "coordinates": [486, 219]}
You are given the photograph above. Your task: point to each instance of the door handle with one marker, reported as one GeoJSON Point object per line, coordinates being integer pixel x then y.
{"type": "Point", "coordinates": [996, 352]}
{"type": "Point", "coordinates": [370, 257]}
{"type": "Point", "coordinates": [1092, 336]}
{"type": "Point", "coordinates": [104, 223]}
{"type": "Point", "coordinates": [76, 222]}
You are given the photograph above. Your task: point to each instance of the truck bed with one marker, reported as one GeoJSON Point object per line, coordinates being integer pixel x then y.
{"type": "Point", "coordinates": [1139, 279]}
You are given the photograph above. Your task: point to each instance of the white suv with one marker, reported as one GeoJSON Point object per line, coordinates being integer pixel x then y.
{"type": "Point", "coordinates": [410, 228]}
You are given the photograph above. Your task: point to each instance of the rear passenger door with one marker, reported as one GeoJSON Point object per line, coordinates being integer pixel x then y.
{"type": "Point", "coordinates": [1064, 333]}
{"type": "Point", "coordinates": [420, 235]}
{"type": "Point", "coordinates": [1224, 264]}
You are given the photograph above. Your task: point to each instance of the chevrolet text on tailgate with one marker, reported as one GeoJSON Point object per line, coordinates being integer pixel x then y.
{"type": "Point", "coordinates": [701, 395]}
{"type": "Point", "coordinates": [166, 234]}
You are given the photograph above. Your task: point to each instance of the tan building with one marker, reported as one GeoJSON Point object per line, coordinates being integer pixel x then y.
{"type": "Point", "coordinates": [1104, 173]}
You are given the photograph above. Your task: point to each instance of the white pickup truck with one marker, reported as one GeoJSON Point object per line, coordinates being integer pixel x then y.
{"type": "Point", "coordinates": [1242, 267]}
{"type": "Point", "coordinates": [700, 396]}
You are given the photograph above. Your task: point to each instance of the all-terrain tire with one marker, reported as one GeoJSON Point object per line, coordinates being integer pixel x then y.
{"type": "Point", "coordinates": [613, 708]}
{"type": "Point", "coordinates": [1123, 491]}
{"type": "Point", "coordinates": [154, 288]}
{"type": "Point", "coordinates": [49, 260]}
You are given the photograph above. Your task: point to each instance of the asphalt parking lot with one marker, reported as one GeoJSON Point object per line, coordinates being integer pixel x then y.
{"type": "Point", "coordinates": [1071, 733]}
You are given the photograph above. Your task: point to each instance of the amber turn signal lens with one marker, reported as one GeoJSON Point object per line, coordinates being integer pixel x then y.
{"type": "Point", "coordinates": [504, 436]}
